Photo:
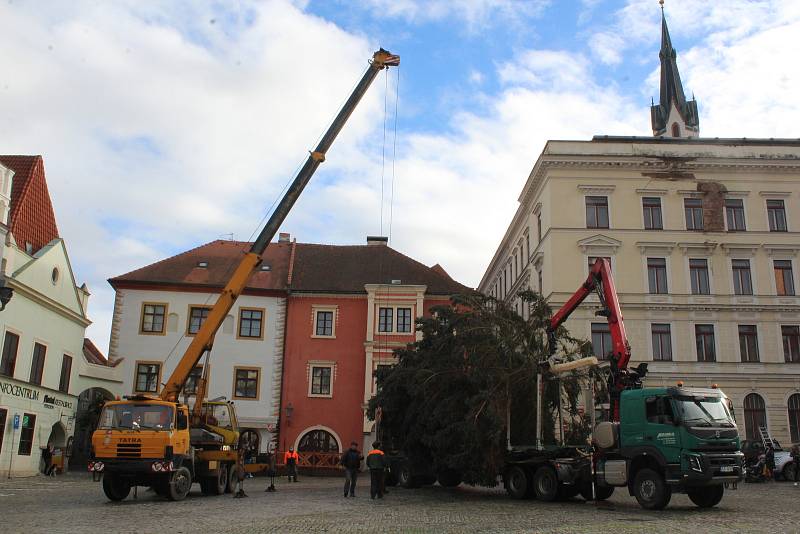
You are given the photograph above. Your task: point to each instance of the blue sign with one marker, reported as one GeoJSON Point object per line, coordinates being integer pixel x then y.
{"type": "Point", "coordinates": [16, 421]}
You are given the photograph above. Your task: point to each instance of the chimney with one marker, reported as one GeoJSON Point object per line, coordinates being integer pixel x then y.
{"type": "Point", "coordinates": [377, 240]}
{"type": "Point", "coordinates": [284, 237]}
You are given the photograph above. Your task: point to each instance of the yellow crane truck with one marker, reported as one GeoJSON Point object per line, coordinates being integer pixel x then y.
{"type": "Point", "coordinates": [157, 441]}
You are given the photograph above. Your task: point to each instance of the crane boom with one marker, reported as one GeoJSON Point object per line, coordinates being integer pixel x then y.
{"type": "Point", "coordinates": [204, 338]}
{"type": "Point", "coordinates": [601, 281]}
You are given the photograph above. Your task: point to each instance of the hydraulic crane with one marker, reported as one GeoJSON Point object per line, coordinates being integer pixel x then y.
{"type": "Point", "coordinates": [151, 440]}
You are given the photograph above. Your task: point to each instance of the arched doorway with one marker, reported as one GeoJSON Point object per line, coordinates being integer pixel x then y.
{"type": "Point", "coordinates": [794, 417]}
{"type": "Point", "coordinates": [755, 416]}
{"type": "Point", "coordinates": [319, 450]}
{"type": "Point", "coordinates": [90, 401]}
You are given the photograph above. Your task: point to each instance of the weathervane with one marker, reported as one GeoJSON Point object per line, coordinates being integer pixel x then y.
{"type": "Point", "coordinates": [662, 3]}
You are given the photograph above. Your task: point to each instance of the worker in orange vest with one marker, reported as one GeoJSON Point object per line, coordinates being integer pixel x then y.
{"type": "Point", "coordinates": [377, 465]}
{"type": "Point", "coordinates": [290, 459]}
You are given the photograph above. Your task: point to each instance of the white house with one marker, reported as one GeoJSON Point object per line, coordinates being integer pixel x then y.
{"type": "Point", "coordinates": [159, 308]}
{"type": "Point", "coordinates": [43, 370]}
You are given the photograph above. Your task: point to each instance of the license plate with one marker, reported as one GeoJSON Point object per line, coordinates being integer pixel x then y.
{"type": "Point", "coordinates": [726, 469]}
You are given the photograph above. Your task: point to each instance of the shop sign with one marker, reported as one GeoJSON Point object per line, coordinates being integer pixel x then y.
{"type": "Point", "coordinates": [16, 421]}
{"type": "Point", "coordinates": [24, 392]}
{"type": "Point", "coordinates": [50, 401]}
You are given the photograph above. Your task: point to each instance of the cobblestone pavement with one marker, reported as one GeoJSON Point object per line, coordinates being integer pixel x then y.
{"type": "Point", "coordinates": [74, 503]}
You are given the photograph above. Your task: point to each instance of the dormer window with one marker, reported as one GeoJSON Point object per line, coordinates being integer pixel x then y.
{"type": "Point", "coordinates": [676, 130]}
{"type": "Point", "coordinates": [202, 264]}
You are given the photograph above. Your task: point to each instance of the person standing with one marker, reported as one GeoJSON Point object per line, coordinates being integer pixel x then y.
{"type": "Point", "coordinates": [351, 461]}
{"type": "Point", "coordinates": [47, 457]}
{"type": "Point", "coordinates": [291, 459]}
{"type": "Point", "coordinates": [796, 459]}
{"type": "Point", "coordinates": [770, 458]}
{"type": "Point", "coordinates": [376, 464]}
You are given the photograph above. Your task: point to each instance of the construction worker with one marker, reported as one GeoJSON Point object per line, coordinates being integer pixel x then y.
{"type": "Point", "coordinates": [377, 465]}
{"type": "Point", "coordinates": [291, 458]}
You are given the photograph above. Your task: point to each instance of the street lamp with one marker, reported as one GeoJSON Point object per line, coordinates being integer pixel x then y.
{"type": "Point", "coordinates": [5, 293]}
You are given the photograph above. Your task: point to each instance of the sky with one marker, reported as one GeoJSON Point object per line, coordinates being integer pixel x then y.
{"type": "Point", "coordinates": [168, 124]}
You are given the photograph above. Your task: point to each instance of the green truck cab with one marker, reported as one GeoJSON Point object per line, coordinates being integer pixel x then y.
{"type": "Point", "coordinates": [670, 439]}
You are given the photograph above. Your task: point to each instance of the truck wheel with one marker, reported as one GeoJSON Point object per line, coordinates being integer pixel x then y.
{"type": "Point", "coordinates": [545, 483]}
{"type": "Point", "coordinates": [449, 478]}
{"type": "Point", "coordinates": [180, 484]}
{"type": "Point", "coordinates": [215, 484]}
{"type": "Point", "coordinates": [115, 488]}
{"type": "Point", "coordinates": [706, 497]}
{"type": "Point", "coordinates": [650, 490]}
{"type": "Point", "coordinates": [516, 482]}
{"type": "Point", "coordinates": [233, 478]}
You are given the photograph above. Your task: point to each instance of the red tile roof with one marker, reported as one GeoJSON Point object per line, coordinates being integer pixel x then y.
{"type": "Point", "coordinates": [32, 219]}
{"type": "Point", "coordinates": [323, 268]}
{"type": "Point", "coordinates": [92, 353]}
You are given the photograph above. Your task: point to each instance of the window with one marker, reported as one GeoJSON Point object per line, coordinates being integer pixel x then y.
{"type": "Point", "coordinates": [593, 260]}
{"type": "Point", "coordinates": [662, 342]}
{"type": "Point", "coordinates": [250, 323]}
{"type": "Point", "coordinates": [197, 316]}
{"type": "Point", "coordinates": [9, 360]}
{"type": "Point", "coordinates": [601, 340]}
{"type": "Point", "coordinates": [66, 371]}
{"type": "Point", "coordinates": [324, 325]}
{"type": "Point", "coordinates": [748, 342]}
{"type": "Point", "coordinates": [794, 417]}
{"type": "Point", "coordinates": [742, 282]}
{"type": "Point", "coordinates": [26, 435]}
{"type": "Point", "coordinates": [791, 343]}
{"type": "Point", "coordinates": [385, 319]}
{"type": "Point", "coordinates": [321, 381]}
{"type": "Point", "coordinates": [528, 248]}
{"type": "Point", "coordinates": [693, 207]}
{"type": "Point", "coordinates": [676, 130]}
{"type": "Point", "coordinates": [381, 370]}
{"type": "Point", "coordinates": [652, 213]}
{"type": "Point", "coordinates": [3, 418]}
{"type": "Point", "coordinates": [704, 334]}
{"type": "Point", "coordinates": [153, 318]}
{"type": "Point", "coordinates": [657, 275]}
{"type": "Point", "coordinates": [538, 228]}
{"type": "Point", "coordinates": [404, 320]}
{"type": "Point", "coordinates": [246, 383]}
{"type": "Point", "coordinates": [37, 363]}
{"type": "Point", "coordinates": [755, 416]}
{"type": "Point", "coordinates": [658, 410]}
{"type": "Point", "coordinates": [148, 375]}
{"type": "Point", "coordinates": [734, 214]}
{"type": "Point", "coordinates": [596, 212]}
{"type": "Point", "coordinates": [190, 387]}
{"type": "Point", "coordinates": [539, 275]}
{"type": "Point", "coordinates": [698, 273]}
{"type": "Point", "coordinates": [784, 278]}
{"type": "Point", "coordinates": [777, 216]}
{"type": "Point", "coordinates": [318, 441]}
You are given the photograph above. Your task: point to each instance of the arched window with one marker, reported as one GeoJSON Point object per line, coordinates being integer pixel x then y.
{"type": "Point", "coordinates": [755, 415]}
{"type": "Point", "coordinates": [676, 130]}
{"type": "Point", "coordinates": [794, 417]}
{"type": "Point", "coordinates": [318, 441]}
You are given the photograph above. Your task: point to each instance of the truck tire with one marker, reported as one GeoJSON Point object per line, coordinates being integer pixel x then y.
{"type": "Point", "coordinates": [545, 483]}
{"type": "Point", "coordinates": [215, 484]}
{"type": "Point", "coordinates": [650, 490]}
{"type": "Point", "coordinates": [449, 478]}
{"type": "Point", "coordinates": [516, 482]}
{"type": "Point", "coordinates": [116, 488]}
{"type": "Point", "coordinates": [233, 478]}
{"type": "Point", "coordinates": [179, 484]}
{"type": "Point", "coordinates": [706, 497]}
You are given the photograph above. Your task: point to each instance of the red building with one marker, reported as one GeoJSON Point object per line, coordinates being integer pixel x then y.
{"type": "Point", "coordinates": [348, 308]}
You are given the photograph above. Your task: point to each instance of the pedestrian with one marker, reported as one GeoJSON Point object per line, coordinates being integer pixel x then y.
{"type": "Point", "coordinates": [47, 457]}
{"type": "Point", "coordinates": [351, 461]}
{"type": "Point", "coordinates": [770, 459]}
{"type": "Point", "coordinates": [796, 460]}
{"type": "Point", "coordinates": [377, 464]}
{"type": "Point", "coordinates": [290, 459]}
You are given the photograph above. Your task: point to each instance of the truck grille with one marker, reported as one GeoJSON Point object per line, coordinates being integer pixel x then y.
{"type": "Point", "coordinates": [716, 464]}
{"type": "Point", "coordinates": [129, 450]}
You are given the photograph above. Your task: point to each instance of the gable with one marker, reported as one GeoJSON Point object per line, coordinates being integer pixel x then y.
{"type": "Point", "coordinates": [38, 274]}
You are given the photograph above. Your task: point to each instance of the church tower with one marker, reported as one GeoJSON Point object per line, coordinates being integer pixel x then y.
{"type": "Point", "coordinates": [673, 116]}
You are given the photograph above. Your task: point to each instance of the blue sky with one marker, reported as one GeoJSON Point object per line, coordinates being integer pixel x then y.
{"type": "Point", "coordinates": [167, 124]}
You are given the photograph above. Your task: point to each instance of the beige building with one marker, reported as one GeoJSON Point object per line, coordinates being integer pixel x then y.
{"type": "Point", "coordinates": [703, 237]}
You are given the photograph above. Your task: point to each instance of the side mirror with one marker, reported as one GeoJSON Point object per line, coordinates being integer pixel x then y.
{"type": "Point", "coordinates": [182, 421]}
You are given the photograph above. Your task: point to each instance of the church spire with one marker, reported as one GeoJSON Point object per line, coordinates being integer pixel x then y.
{"type": "Point", "coordinates": [673, 116]}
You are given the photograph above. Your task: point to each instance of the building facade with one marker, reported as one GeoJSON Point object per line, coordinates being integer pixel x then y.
{"type": "Point", "coordinates": [43, 370]}
{"type": "Point", "coordinates": [159, 308]}
{"type": "Point", "coordinates": [349, 308]}
{"type": "Point", "coordinates": [703, 237]}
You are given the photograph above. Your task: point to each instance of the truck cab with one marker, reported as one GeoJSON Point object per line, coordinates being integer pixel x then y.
{"type": "Point", "coordinates": [671, 439]}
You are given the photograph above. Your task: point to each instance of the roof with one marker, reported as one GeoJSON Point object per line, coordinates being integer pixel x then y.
{"type": "Point", "coordinates": [93, 354]}
{"type": "Point", "coordinates": [32, 219]}
{"type": "Point", "coordinates": [221, 258]}
{"type": "Point", "coordinates": [347, 269]}
{"type": "Point", "coordinates": [315, 268]}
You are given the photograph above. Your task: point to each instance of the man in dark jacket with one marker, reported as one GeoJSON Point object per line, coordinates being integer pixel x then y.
{"type": "Point", "coordinates": [351, 461]}
{"type": "Point", "coordinates": [377, 464]}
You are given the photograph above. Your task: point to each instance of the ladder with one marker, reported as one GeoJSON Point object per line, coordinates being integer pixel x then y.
{"type": "Point", "coordinates": [766, 439]}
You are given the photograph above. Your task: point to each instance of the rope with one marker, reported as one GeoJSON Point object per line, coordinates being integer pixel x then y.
{"type": "Point", "coordinates": [383, 150]}
{"type": "Point", "coordinates": [394, 152]}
